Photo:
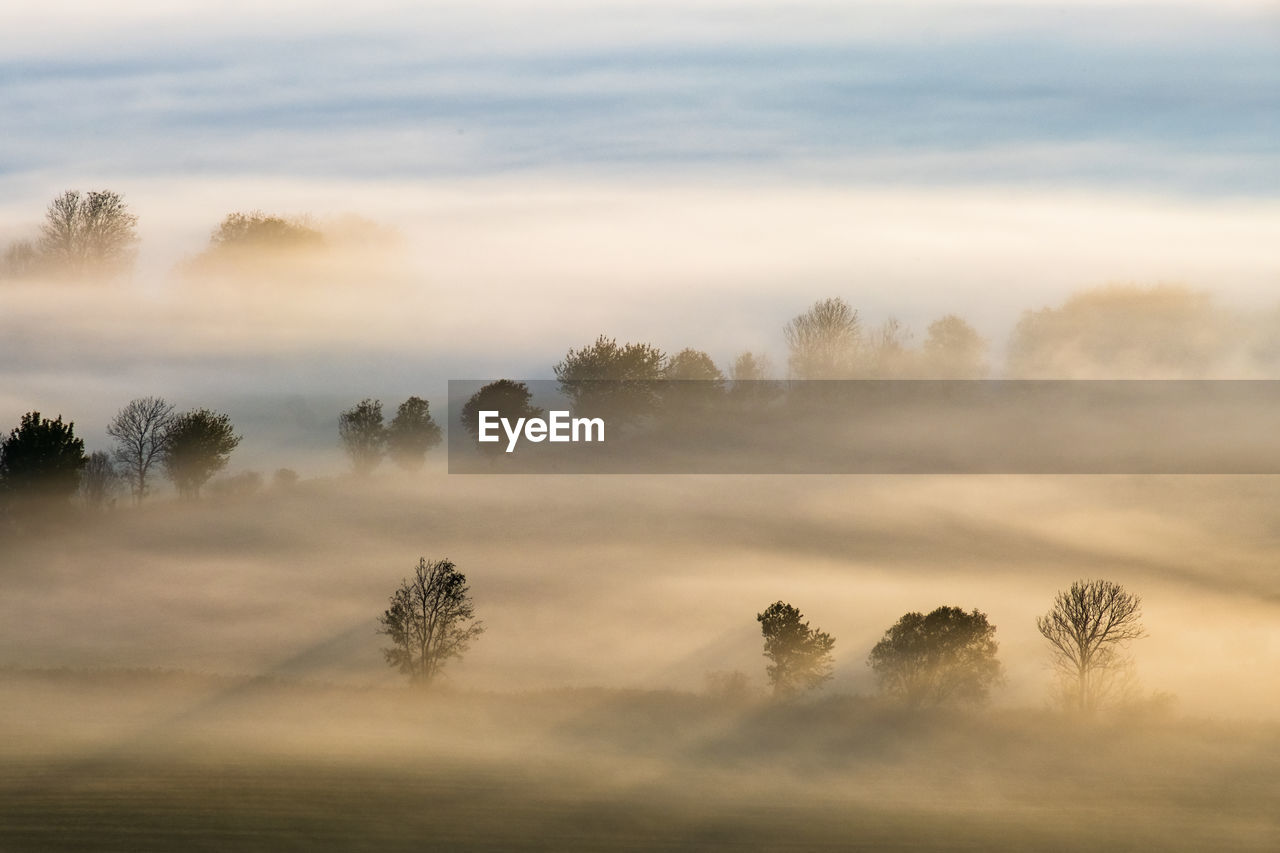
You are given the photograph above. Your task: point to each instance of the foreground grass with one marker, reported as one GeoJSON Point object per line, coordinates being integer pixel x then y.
{"type": "Point", "coordinates": [164, 761]}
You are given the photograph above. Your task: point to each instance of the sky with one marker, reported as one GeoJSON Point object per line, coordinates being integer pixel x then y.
{"type": "Point", "coordinates": [690, 174]}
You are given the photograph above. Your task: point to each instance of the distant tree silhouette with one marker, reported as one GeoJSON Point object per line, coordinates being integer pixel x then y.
{"type": "Point", "coordinates": [948, 656]}
{"type": "Point", "coordinates": [141, 431]}
{"type": "Point", "coordinates": [692, 364]}
{"type": "Point", "coordinates": [824, 341]}
{"type": "Point", "coordinates": [1088, 629]}
{"type": "Point", "coordinates": [245, 239]}
{"type": "Point", "coordinates": [412, 433]}
{"type": "Point", "coordinates": [99, 481]}
{"type": "Point", "coordinates": [257, 230]}
{"type": "Point", "coordinates": [632, 373]}
{"type": "Point", "coordinates": [886, 353]}
{"type": "Point", "coordinates": [508, 398]}
{"type": "Point", "coordinates": [1122, 332]}
{"type": "Point", "coordinates": [40, 462]}
{"type": "Point", "coordinates": [431, 620]}
{"type": "Point", "coordinates": [363, 435]}
{"type": "Point", "coordinates": [693, 382]}
{"type": "Point", "coordinates": [954, 350]}
{"type": "Point", "coordinates": [750, 386]}
{"type": "Point", "coordinates": [238, 486]}
{"type": "Point", "coordinates": [800, 656]}
{"type": "Point", "coordinates": [199, 445]}
{"type": "Point", "coordinates": [751, 367]}
{"type": "Point", "coordinates": [88, 233]}
{"type": "Point", "coordinates": [21, 259]}
{"type": "Point", "coordinates": [284, 480]}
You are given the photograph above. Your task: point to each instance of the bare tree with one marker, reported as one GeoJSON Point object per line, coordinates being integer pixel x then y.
{"type": "Point", "coordinates": [824, 341]}
{"type": "Point", "coordinates": [99, 481]}
{"type": "Point", "coordinates": [90, 232]}
{"type": "Point", "coordinates": [430, 621]}
{"type": "Point", "coordinates": [1089, 627]}
{"type": "Point", "coordinates": [141, 431]}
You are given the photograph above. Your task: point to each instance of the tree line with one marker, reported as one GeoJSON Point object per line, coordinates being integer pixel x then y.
{"type": "Point", "coordinates": [93, 233]}
{"type": "Point", "coordinates": [946, 657]}
{"type": "Point", "coordinates": [43, 463]}
{"type": "Point", "coordinates": [1117, 331]}
{"type": "Point", "coordinates": [949, 656]}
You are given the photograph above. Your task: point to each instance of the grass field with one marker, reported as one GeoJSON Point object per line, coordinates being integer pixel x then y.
{"type": "Point", "coordinates": [167, 761]}
{"type": "Point", "coordinates": [581, 720]}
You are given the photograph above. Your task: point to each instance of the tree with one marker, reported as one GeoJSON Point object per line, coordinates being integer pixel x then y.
{"type": "Point", "coordinates": [944, 657]}
{"type": "Point", "coordinates": [508, 398]}
{"type": "Point", "coordinates": [1088, 628]}
{"type": "Point", "coordinates": [800, 656]}
{"type": "Point", "coordinates": [430, 621]}
{"type": "Point", "coordinates": [611, 381]}
{"type": "Point", "coordinates": [824, 341]}
{"type": "Point", "coordinates": [199, 444]}
{"type": "Point", "coordinates": [692, 364]}
{"type": "Point", "coordinates": [751, 367]}
{"type": "Point", "coordinates": [248, 237]}
{"type": "Point", "coordinates": [363, 435]}
{"type": "Point", "coordinates": [21, 259]}
{"type": "Point", "coordinates": [886, 352]}
{"type": "Point", "coordinates": [412, 433]}
{"type": "Point", "coordinates": [40, 461]}
{"type": "Point", "coordinates": [954, 350]}
{"type": "Point", "coordinates": [257, 230]}
{"type": "Point", "coordinates": [99, 481]}
{"type": "Point", "coordinates": [88, 233]}
{"type": "Point", "coordinates": [1123, 332]}
{"type": "Point", "coordinates": [694, 382]}
{"type": "Point", "coordinates": [141, 431]}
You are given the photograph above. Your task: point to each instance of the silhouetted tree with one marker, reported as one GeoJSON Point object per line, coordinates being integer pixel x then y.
{"type": "Point", "coordinates": [954, 350]}
{"type": "Point", "coordinates": [631, 373]}
{"type": "Point", "coordinates": [21, 259]}
{"type": "Point", "coordinates": [824, 341]}
{"type": "Point", "coordinates": [508, 398]}
{"type": "Point", "coordinates": [430, 621]}
{"type": "Point", "coordinates": [412, 433]}
{"type": "Point", "coordinates": [40, 461]}
{"type": "Point", "coordinates": [141, 431]}
{"type": "Point", "coordinates": [1088, 629]}
{"type": "Point", "coordinates": [1122, 332]}
{"type": "Point", "coordinates": [948, 656]}
{"type": "Point", "coordinates": [693, 380]}
{"type": "Point", "coordinates": [800, 656]}
{"type": "Point", "coordinates": [886, 353]}
{"type": "Point", "coordinates": [257, 230]}
{"type": "Point", "coordinates": [199, 445]}
{"type": "Point", "coordinates": [99, 481]}
{"type": "Point", "coordinates": [246, 238]}
{"type": "Point", "coordinates": [88, 233]}
{"type": "Point", "coordinates": [751, 367]}
{"type": "Point", "coordinates": [692, 364]}
{"type": "Point", "coordinates": [363, 435]}
{"type": "Point", "coordinates": [751, 386]}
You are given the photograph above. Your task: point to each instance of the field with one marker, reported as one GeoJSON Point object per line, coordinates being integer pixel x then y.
{"type": "Point", "coordinates": [208, 676]}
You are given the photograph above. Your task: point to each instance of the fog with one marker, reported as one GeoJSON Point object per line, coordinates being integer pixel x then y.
{"type": "Point", "coordinates": [338, 203]}
{"type": "Point", "coordinates": [162, 654]}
